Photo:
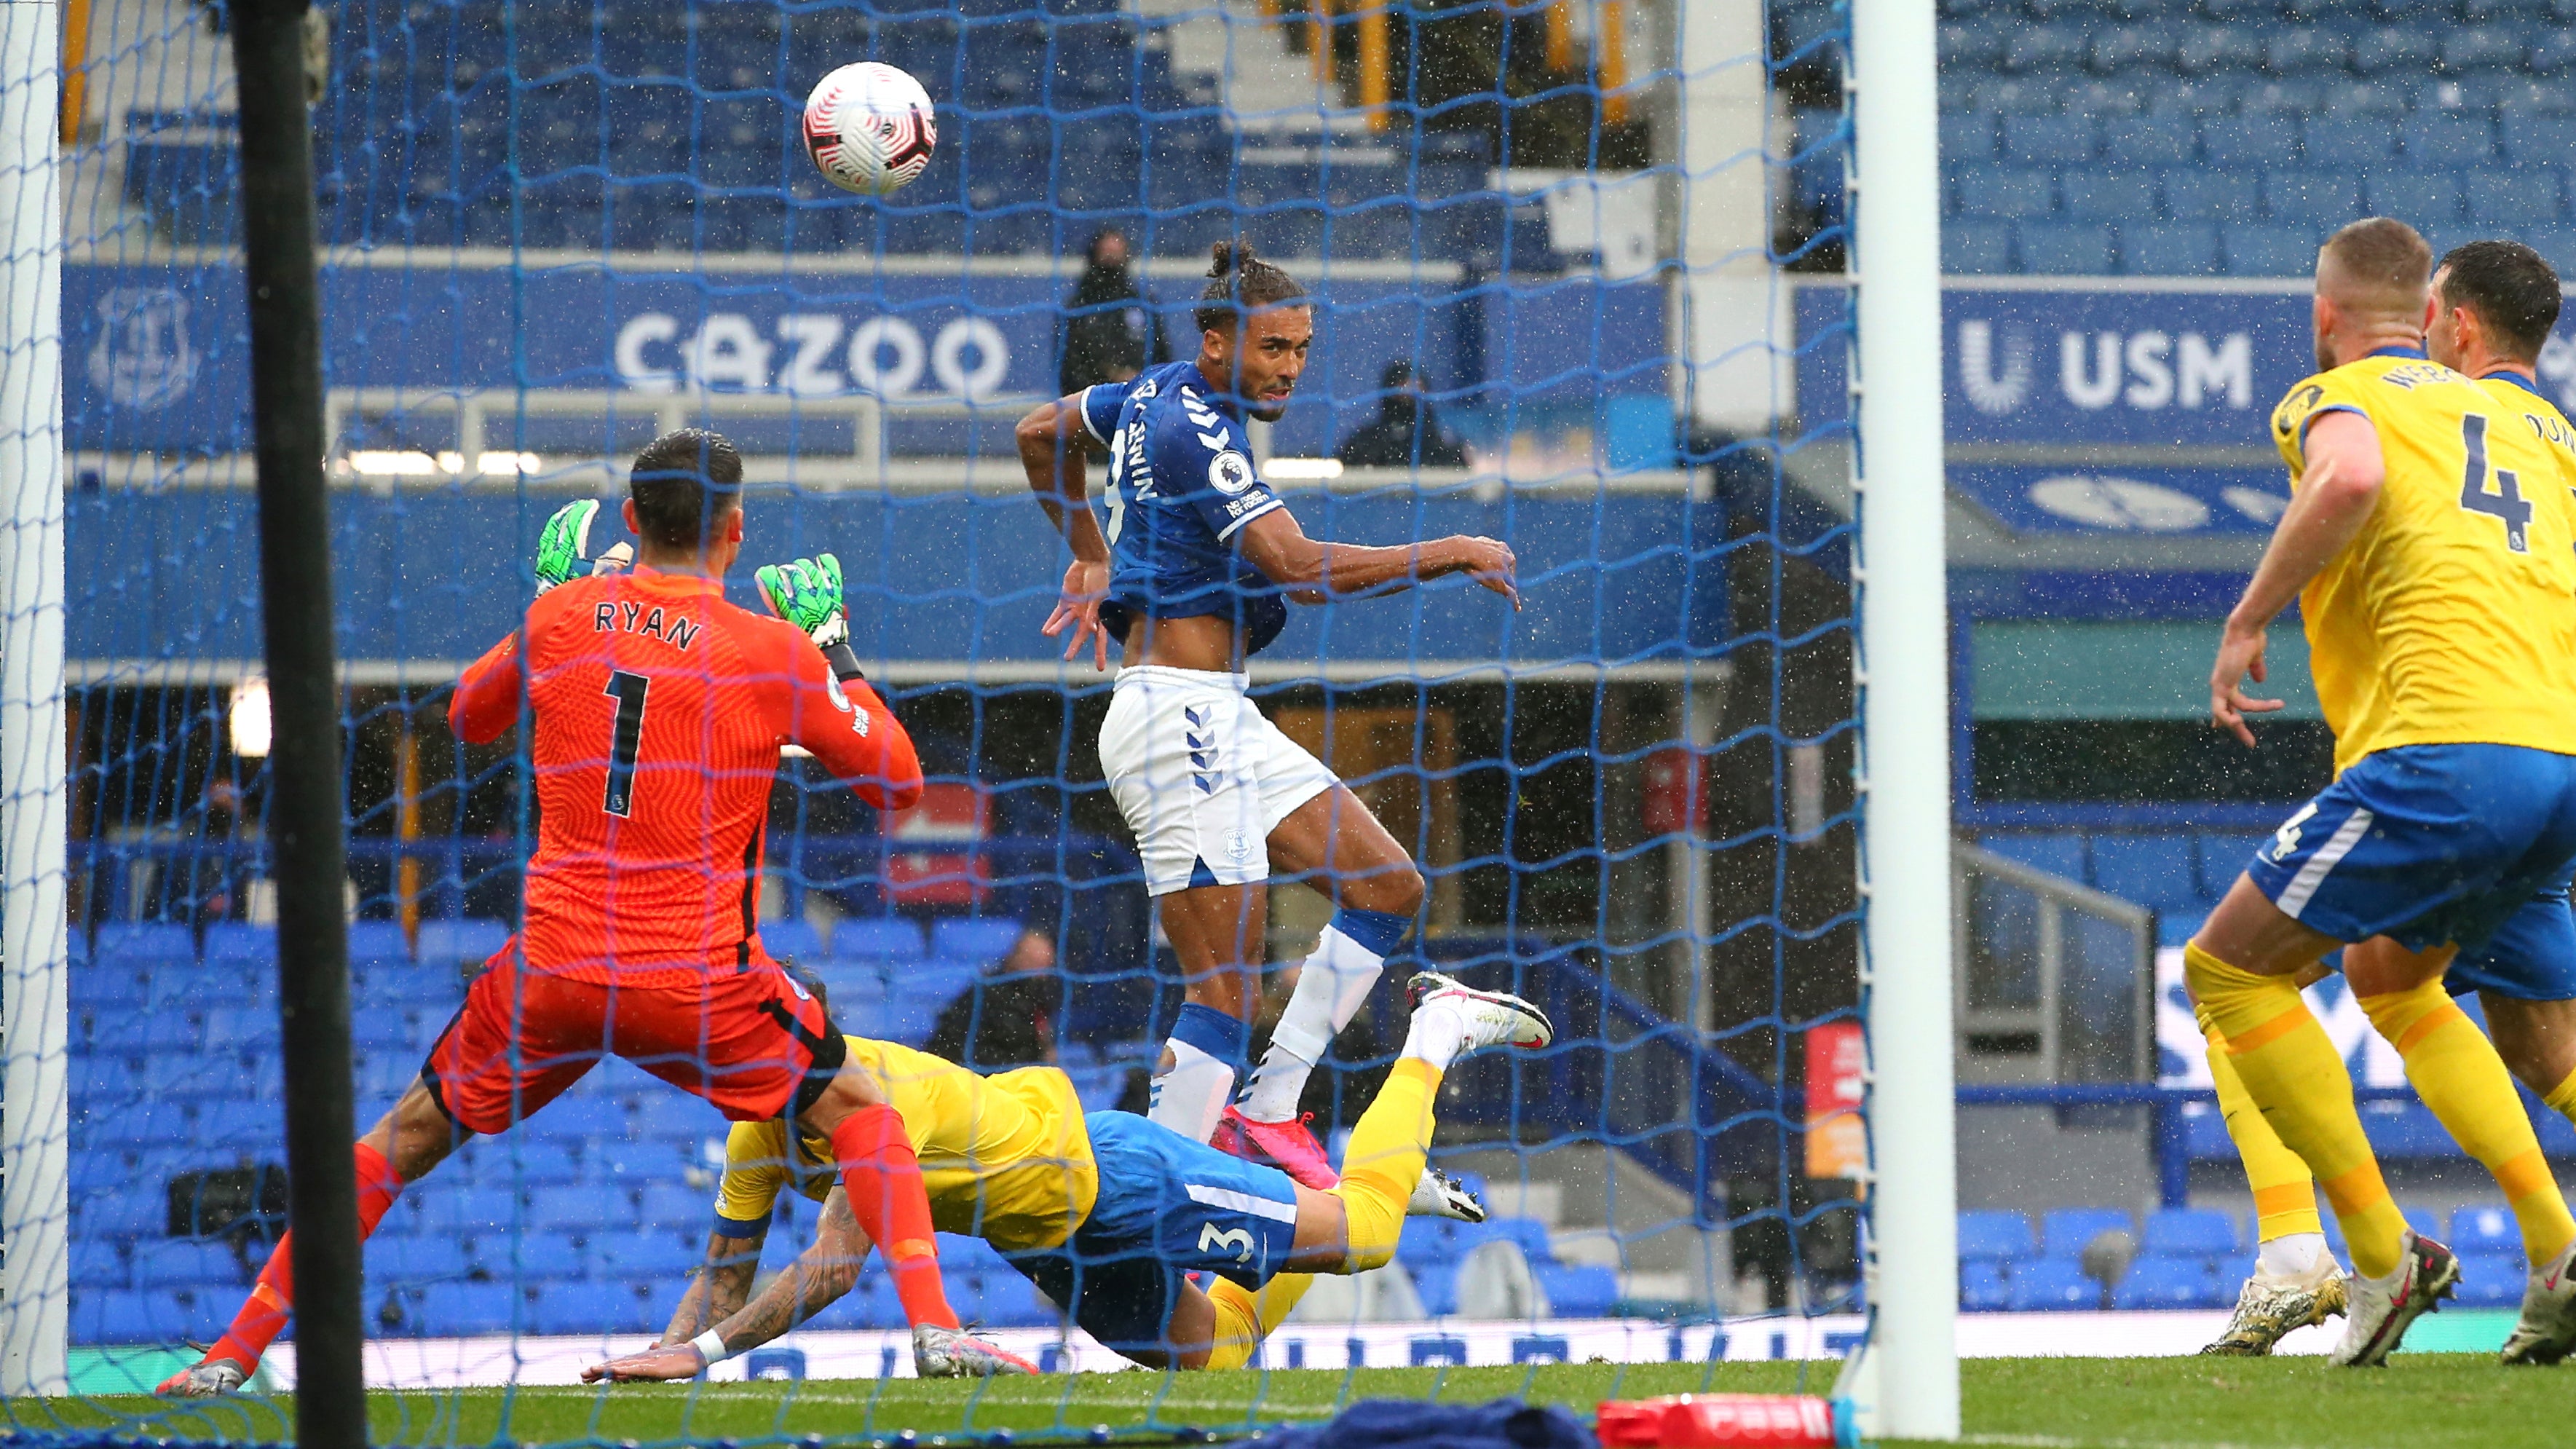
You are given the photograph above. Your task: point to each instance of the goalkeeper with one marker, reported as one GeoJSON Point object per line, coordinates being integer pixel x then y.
{"type": "Point", "coordinates": [1108, 1214]}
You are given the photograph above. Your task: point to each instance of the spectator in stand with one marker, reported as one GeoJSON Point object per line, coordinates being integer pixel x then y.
{"type": "Point", "coordinates": [1407, 434]}
{"type": "Point", "coordinates": [1110, 331]}
{"type": "Point", "coordinates": [1008, 1018]}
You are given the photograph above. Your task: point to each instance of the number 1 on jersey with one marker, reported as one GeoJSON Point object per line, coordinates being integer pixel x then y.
{"type": "Point", "coordinates": [628, 690]}
{"type": "Point", "coordinates": [2506, 502]}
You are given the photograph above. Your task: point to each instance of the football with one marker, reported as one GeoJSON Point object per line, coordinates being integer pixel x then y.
{"type": "Point", "coordinates": [869, 128]}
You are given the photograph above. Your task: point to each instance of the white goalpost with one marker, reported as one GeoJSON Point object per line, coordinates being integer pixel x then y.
{"type": "Point", "coordinates": [1900, 574]}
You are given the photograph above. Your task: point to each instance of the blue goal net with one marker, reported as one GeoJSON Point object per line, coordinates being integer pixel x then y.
{"type": "Point", "coordinates": [1564, 260]}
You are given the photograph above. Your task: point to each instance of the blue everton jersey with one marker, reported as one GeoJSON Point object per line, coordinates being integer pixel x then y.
{"type": "Point", "coordinates": [1181, 488]}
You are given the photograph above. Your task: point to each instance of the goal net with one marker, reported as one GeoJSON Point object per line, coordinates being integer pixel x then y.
{"type": "Point", "coordinates": [1564, 258]}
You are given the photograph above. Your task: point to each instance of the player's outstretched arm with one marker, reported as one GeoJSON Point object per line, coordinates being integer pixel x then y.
{"type": "Point", "coordinates": [1050, 440]}
{"type": "Point", "coordinates": [1315, 570]}
{"type": "Point", "coordinates": [2337, 492]}
{"type": "Point", "coordinates": [819, 1277]}
{"type": "Point", "coordinates": [718, 1289]}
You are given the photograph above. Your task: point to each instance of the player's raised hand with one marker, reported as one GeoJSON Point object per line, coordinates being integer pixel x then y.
{"type": "Point", "coordinates": [807, 594]}
{"type": "Point", "coordinates": [1490, 562]}
{"type": "Point", "coordinates": [1077, 607]}
{"type": "Point", "coordinates": [2240, 657]}
{"type": "Point", "coordinates": [679, 1361]}
{"type": "Point", "coordinates": [565, 546]}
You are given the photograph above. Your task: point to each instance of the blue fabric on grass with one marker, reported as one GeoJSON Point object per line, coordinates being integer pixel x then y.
{"type": "Point", "coordinates": [1502, 1424]}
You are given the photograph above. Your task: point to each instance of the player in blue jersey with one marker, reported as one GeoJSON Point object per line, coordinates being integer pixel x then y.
{"type": "Point", "coordinates": [1191, 574]}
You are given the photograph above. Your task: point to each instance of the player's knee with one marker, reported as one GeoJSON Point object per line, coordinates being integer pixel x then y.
{"type": "Point", "coordinates": [1395, 889]}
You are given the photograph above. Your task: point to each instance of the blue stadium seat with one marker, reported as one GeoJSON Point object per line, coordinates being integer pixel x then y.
{"type": "Point", "coordinates": [792, 941]}
{"type": "Point", "coordinates": [2064, 1231]}
{"type": "Point", "coordinates": [183, 1264]}
{"type": "Point", "coordinates": [2151, 869]}
{"type": "Point", "coordinates": [463, 1310]}
{"type": "Point", "coordinates": [238, 941]}
{"type": "Point", "coordinates": [2005, 193]}
{"type": "Point", "coordinates": [2195, 195]}
{"type": "Point", "coordinates": [1580, 1291]}
{"type": "Point", "coordinates": [234, 1029]}
{"type": "Point", "coordinates": [2515, 198]}
{"type": "Point", "coordinates": [2191, 1233]}
{"type": "Point", "coordinates": [2345, 142]}
{"type": "Point", "coordinates": [2139, 141]}
{"type": "Point", "coordinates": [570, 1208]}
{"type": "Point", "coordinates": [411, 1261]}
{"type": "Point", "coordinates": [450, 942]}
{"type": "Point", "coordinates": [596, 1307]}
{"type": "Point", "coordinates": [1976, 248]}
{"type": "Point", "coordinates": [572, 1116]}
{"type": "Point", "coordinates": [2051, 139]}
{"type": "Point", "coordinates": [890, 940]}
{"type": "Point", "coordinates": [210, 987]}
{"type": "Point", "coordinates": [2208, 49]}
{"type": "Point", "coordinates": [2224, 856]}
{"type": "Point", "coordinates": [2306, 50]}
{"type": "Point", "coordinates": [1436, 1283]}
{"type": "Point", "coordinates": [1528, 1234]}
{"type": "Point", "coordinates": [2105, 194]}
{"type": "Point", "coordinates": [378, 941]}
{"type": "Point", "coordinates": [635, 1257]}
{"type": "Point", "coordinates": [463, 1208]}
{"type": "Point", "coordinates": [1995, 1236]}
{"type": "Point", "coordinates": [2428, 199]}
{"type": "Point", "coordinates": [2064, 248]}
{"type": "Point", "coordinates": [2316, 198]}
{"type": "Point", "coordinates": [1012, 1301]}
{"type": "Point", "coordinates": [97, 1264]}
{"type": "Point", "coordinates": [133, 944]}
{"type": "Point", "coordinates": [979, 939]}
{"type": "Point", "coordinates": [2450, 141]}
{"type": "Point", "coordinates": [1982, 1288]}
{"type": "Point", "coordinates": [2255, 250]}
{"type": "Point", "coordinates": [2540, 140]}
{"type": "Point", "coordinates": [2491, 1280]}
{"type": "Point", "coordinates": [634, 1163]}
{"type": "Point", "coordinates": [2163, 1282]}
{"type": "Point", "coordinates": [377, 1028]}
{"type": "Point", "coordinates": [2045, 1283]}
{"type": "Point", "coordinates": [2421, 1219]}
{"type": "Point", "coordinates": [120, 1216]}
{"type": "Point", "coordinates": [674, 1206]}
{"type": "Point", "coordinates": [1969, 137]}
{"type": "Point", "coordinates": [119, 1317]}
{"type": "Point", "coordinates": [530, 1256]}
{"type": "Point", "coordinates": [431, 985]}
{"type": "Point", "coordinates": [2249, 141]}
{"type": "Point", "coordinates": [103, 986]}
{"type": "Point", "coordinates": [2181, 249]}
{"type": "Point", "coordinates": [2060, 854]}
{"type": "Point", "coordinates": [2484, 1228]}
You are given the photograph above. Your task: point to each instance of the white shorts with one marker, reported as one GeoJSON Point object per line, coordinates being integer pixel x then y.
{"type": "Point", "coordinates": [1201, 776]}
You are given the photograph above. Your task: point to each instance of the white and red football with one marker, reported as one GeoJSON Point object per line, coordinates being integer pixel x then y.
{"type": "Point", "coordinates": [869, 128]}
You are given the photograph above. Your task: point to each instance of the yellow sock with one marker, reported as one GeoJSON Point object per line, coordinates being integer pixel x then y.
{"type": "Point", "coordinates": [1244, 1318]}
{"type": "Point", "coordinates": [2562, 1098]}
{"type": "Point", "coordinates": [2456, 1071]}
{"type": "Point", "coordinates": [2291, 1070]}
{"type": "Point", "coordinates": [1384, 1162]}
{"type": "Point", "coordinates": [2285, 1193]}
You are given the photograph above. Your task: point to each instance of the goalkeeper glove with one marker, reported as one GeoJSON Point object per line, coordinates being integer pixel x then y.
{"type": "Point", "coordinates": [807, 594]}
{"type": "Point", "coordinates": [565, 546]}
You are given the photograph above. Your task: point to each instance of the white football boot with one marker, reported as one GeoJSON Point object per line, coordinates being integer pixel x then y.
{"type": "Point", "coordinates": [1493, 1018]}
{"type": "Point", "coordinates": [1438, 1195]}
{"type": "Point", "coordinates": [2547, 1331]}
{"type": "Point", "coordinates": [203, 1381]}
{"type": "Point", "coordinates": [953, 1353]}
{"type": "Point", "coordinates": [2379, 1309]}
{"type": "Point", "coordinates": [2271, 1305]}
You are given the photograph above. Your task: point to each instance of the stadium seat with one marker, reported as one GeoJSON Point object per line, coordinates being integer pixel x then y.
{"type": "Point", "coordinates": [635, 1256]}
{"type": "Point", "coordinates": [795, 941]}
{"type": "Point", "coordinates": [1582, 1290]}
{"type": "Point", "coordinates": [570, 1117]}
{"type": "Point", "coordinates": [145, 944]}
{"type": "Point", "coordinates": [2064, 1232]}
{"type": "Point", "coordinates": [2255, 250]}
{"type": "Point", "coordinates": [462, 1208]}
{"type": "Point", "coordinates": [2183, 249]}
{"type": "Point", "coordinates": [2514, 198]}
{"type": "Point", "coordinates": [2064, 248]}
{"type": "Point", "coordinates": [2450, 141]}
{"type": "Point", "coordinates": [371, 941]}
{"type": "Point", "coordinates": [2224, 856]}
{"type": "Point", "coordinates": [2044, 1283]}
{"type": "Point", "coordinates": [2153, 870]}
{"type": "Point", "coordinates": [413, 1261]}
{"type": "Point", "coordinates": [240, 942]}
{"type": "Point", "coordinates": [463, 1310]}
{"type": "Point", "coordinates": [595, 1307]}
{"type": "Point", "coordinates": [674, 1206]}
{"type": "Point", "coordinates": [1436, 1283]}
{"type": "Point", "coordinates": [2167, 1282]}
{"type": "Point", "coordinates": [2005, 193]}
{"type": "Point", "coordinates": [1975, 248]}
{"type": "Point", "coordinates": [572, 1207]}
{"type": "Point", "coordinates": [2045, 139]}
{"type": "Point", "coordinates": [2191, 1233]}
{"type": "Point", "coordinates": [2491, 1280]}
{"type": "Point", "coordinates": [633, 1163]}
{"type": "Point", "coordinates": [889, 941]}
{"type": "Point", "coordinates": [2429, 199]}
{"type": "Point", "coordinates": [454, 941]}
{"type": "Point", "coordinates": [1012, 1301]}
{"type": "Point", "coordinates": [97, 1264]}
{"type": "Point", "coordinates": [428, 985]}
{"type": "Point", "coordinates": [1982, 1288]}
{"type": "Point", "coordinates": [2484, 1228]}
{"type": "Point", "coordinates": [1995, 1236]}
{"type": "Point", "coordinates": [105, 986]}
{"type": "Point", "coordinates": [530, 1256]}
{"type": "Point", "coordinates": [2422, 1220]}
{"type": "Point", "coordinates": [377, 1028]}
{"type": "Point", "coordinates": [2248, 141]}
{"type": "Point", "coordinates": [1964, 137]}
{"type": "Point", "coordinates": [183, 1264]}
{"type": "Point", "coordinates": [1529, 1234]}
{"type": "Point", "coordinates": [2058, 854]}
{"type": "Point", "coordinates": [120, 1317]}
{"type": "Point", "coordinates": [979, 939]}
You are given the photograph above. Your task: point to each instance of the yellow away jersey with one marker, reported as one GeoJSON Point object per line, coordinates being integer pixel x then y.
{"type": "Point", "coordinates": [2451, 617]}
{"type": "Point", "coordinates": [1005, 1158]}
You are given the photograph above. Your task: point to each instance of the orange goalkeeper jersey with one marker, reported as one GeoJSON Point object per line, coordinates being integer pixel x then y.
{"type": "Point", "coordinates": [659, 711]}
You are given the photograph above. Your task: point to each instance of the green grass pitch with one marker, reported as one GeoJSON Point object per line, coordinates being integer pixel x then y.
{"type": "Point", "coordinates": [2422, 1401]}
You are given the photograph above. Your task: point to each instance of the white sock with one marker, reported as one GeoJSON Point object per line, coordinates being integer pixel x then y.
{"type": "Point", "coordinates": [1191, 1096]}
{"type": "Point", "coordinates": [1438, 1034]}
{"type": "Point", "coordinates": [1331, 987]}
{"type": "Point", "coordinates": [2293, 1256]}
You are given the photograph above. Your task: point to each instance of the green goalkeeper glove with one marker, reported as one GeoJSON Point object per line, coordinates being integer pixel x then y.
{"type": "Point", "coordinates": [807, 594]}
{"type": "Point", "coordinates": [565, 546]}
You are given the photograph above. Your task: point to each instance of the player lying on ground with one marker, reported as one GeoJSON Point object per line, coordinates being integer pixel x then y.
{"type": "Point", "coordinates": [1191, 577]}
{"type": "Point", "coordinates": [658, 712]}
{"type": "Point", "coordinates": [2494, 304]}
{"type": "Point", "coordinates": [1108, 1214]}
{"type": "Point", "coordinates": [2436, 600]}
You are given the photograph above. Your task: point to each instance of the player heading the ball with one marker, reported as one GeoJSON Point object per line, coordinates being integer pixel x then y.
{"type": "Point", "coordinates": [657, 711]}
{"type": "Point", "coordinates": [1191, 574]}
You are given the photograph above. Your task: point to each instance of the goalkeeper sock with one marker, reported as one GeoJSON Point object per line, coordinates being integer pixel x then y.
{"type": "Point", "coordinates": [1207, 1049]}
{"type": "Point", "coordinates": [2285, 1193]}
{"type": "Point", "coordinates": [1331, 987]}
{"type": "Point", "coordinates": [1244, 1318]}
{"type": "Point", "coordinates": [2293, 1072]}
{"type": "Point", "coordinates": [883, 1180]}
{"type": "Point", "coordinates": [1384, 1162]}
{"type": "Point", "coordinates": [2456, 1071]}
{"type": "Point", "coordinates": [263, 1315]}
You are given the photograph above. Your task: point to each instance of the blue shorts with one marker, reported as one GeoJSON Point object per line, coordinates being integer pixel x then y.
{"type": "Point", "coordinates": [2532, 957]}
{"type": "Point", "coordinates": [2425, 844]}
{"type": "Point", "coordinates": [1168, 1207]}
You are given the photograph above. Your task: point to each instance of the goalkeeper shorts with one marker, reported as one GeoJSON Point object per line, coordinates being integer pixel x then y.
{"type": "Point", "coordinates": [754, 1043]}
{"type": "Point", "coordinates": [1201, 775]}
